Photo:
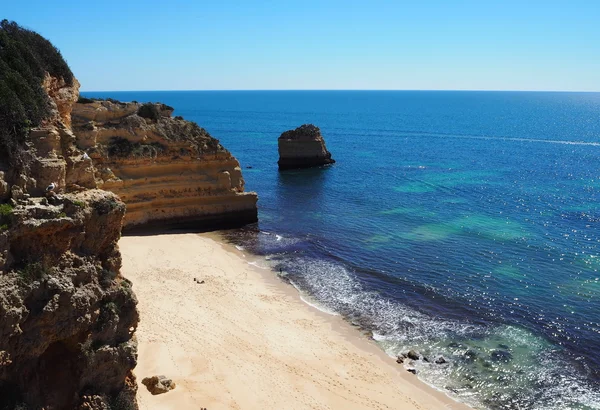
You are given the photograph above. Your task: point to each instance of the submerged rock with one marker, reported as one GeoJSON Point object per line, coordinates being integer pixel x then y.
{"type": "Point", "coordinates": [303, 147]}
{"type": "Point", "coordinates": [158, 384]}
{"type": "Point", "coordinates": [413, 355]}
{"type": "Point", "coordinates": [501, 356]}
{"type": "Point", "coordinates": [440, 360]}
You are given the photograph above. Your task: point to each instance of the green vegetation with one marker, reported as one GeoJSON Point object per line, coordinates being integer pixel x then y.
{"type": "Point", "coordinates": [6, 211]}
{"type": "Point", "coordinates": [80, 204]}
{"type": "Point", "coordinates": [149, 111]}
{"type": "Point", "coordinates": [123, 148]}
{"type": "Point", "coordinates": [106, 206]}
{"type": "Point", "coordinates": [152, 111]}
{"type": "Point", "coordinates": [62, 215]}
{"type": "Point", "coordinates": [83, 100]}
{"type": "Point", "coordinates": [33, 271]}
{"type": "Point", "coordinates": [25, 57]}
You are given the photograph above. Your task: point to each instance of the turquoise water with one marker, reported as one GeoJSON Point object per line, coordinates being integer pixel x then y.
{"type": "Point", "coordinates": [460, 224]}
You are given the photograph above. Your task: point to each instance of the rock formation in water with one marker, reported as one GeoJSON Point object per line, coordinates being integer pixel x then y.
{"type": "Point", "coordinates": [167, 170]}
{"type": "Point", "coordinates": [303, 147]}
{"type": "Point", "coordinates": [67, 317]}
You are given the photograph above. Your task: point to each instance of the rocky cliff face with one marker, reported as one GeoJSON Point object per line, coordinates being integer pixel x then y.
{"type": "Point", "coordinates": [167, 170]}
{"type": "Point", "coordinates": [67, 317]}
{"type": "Point", "coordinates": [303, 147]}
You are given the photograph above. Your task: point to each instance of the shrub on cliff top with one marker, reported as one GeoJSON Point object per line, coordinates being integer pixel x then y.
{"type": "Point", "coordinates": [84, 100]}
{"type": "Point", "coordinates": [306, 130]}
{"type": "Point", "coordinates": [149, 111]}
{"type": "Point", "coordinates": [25, 57]}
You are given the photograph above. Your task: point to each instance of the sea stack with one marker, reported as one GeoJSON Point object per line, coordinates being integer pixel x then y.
{"type": "Point", "coordinates": [303, 147]}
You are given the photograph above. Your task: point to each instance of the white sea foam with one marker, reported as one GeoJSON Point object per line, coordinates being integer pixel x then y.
{"type": "Point", "coordinates": [259, 264]}
{"type": "Point", "coordinates": [311, 302]}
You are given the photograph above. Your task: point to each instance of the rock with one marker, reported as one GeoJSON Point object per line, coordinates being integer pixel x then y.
{"type": "Point", "coordinates": [440, 360]}
{"type": "Point", "coordinates": [413, 355]}
{"type": "Point", "coordinates": [501, 356]}
{"type": "Point", "coordinates": [411, 370]}
{"type": "Point", "coordinates": [303, 147]}
{"type": "Point", "coordinates": [158, 384]}
{"type": "Point", "coordinates": [400, 359]}
{"type": "Point", "coordinates": [170, 172]}
{"type": "Point", "coordinates": [67, 316]}
{"type": "Point", "coordinates": [470, 355]}
{"type": "Point", "coordinates": [426, 359]}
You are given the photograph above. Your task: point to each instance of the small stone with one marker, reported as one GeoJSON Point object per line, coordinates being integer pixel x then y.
{"type": "Point", "coordinates": [158, 384]}
{"type": "Point", "coordinates": [411, 370]}
{"type": "Point", "coordinates": [400, 359]}
{"type": "Point", "coordinates": [426, 359]}
{"type": "Point", "coordinates": [413, 355]}
{"type": "Point", "coordinates": [201, 282]}
{"type": "Point", "coordinates": [440, 360]}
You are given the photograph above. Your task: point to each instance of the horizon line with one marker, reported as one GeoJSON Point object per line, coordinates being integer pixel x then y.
{"type": "Point", "coordinates": [343, 89]}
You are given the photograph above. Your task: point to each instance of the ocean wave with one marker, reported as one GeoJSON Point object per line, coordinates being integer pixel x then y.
{"type": "Point", "coordinates": [496, 366]}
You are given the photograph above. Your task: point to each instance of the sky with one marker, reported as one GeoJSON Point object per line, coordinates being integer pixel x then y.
{"type": "Point", "coordinates": [329, 44]}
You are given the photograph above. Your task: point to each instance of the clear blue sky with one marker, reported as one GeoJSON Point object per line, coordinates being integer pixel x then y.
{"type": "Point", "coordinates": [327, 44]}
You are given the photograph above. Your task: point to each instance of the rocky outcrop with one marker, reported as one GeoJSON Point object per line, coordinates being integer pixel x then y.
{"type": "Point", "coordinates": [167, 170]}
{"type": "Point", "coordinates": [67, 317]}
{"type": "Point", "coordinates": [158, 384]}
{"type": "Point", "coordinates": [303, 147]}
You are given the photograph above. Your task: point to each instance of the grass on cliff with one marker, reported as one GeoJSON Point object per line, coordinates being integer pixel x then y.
{"type": "Point", "coordinates": [25, 57]}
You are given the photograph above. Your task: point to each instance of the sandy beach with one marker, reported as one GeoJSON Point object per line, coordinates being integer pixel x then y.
{"type": "Point", "coordinates": [244, 339]}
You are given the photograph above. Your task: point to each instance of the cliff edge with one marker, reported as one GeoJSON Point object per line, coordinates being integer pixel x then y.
{"type": "Point", "coordinates": [67, 316]}
{"type": "Point", "coordinates": [167, 170]}
{"type": "Point", "coordinates": [303, 147]}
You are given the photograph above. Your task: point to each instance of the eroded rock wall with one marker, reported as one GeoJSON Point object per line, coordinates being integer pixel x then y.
{"type": "Point", "coordinates": [167, 170]}
{"type": "Point", "coordinates": [67, 317]}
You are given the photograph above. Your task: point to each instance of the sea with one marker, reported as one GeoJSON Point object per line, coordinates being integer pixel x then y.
{"type": "Point", "coordinates": [462, 225]}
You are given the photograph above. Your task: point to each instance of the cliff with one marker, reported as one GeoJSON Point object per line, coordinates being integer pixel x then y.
{"type": "Point", "coordinates": [167, 170]}
{"type": "Point", "coordinates": [303, 147]}
{"type": "Point", "coordinates": [67, 316]}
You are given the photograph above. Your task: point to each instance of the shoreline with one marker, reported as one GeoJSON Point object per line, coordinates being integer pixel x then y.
{"type": "Point", "coordinates": [246, 339]}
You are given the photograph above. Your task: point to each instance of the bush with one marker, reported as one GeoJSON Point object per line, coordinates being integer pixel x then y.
{"type": "Point", "coordinates": [123, 148]}
{"type": "Point", "coordinates": [33, 271]}
{"type": "Point", "coordinates": [149, 111]}
{"type": "Point", "coordinates": [6, 211]}
{"type": "Point", "coordinates": [25, 57]}
{"type": "Point", "coordinates": [84, 100]}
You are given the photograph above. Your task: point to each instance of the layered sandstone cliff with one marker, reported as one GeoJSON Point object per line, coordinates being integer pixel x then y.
{"type": "Point", "coordinates": [167, 170]}
{"type": "Point", "coordinates": [303, 147]}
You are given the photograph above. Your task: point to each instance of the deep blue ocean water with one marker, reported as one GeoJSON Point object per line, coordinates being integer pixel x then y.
{"type": "Point", "coordinates": [460, 224]}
